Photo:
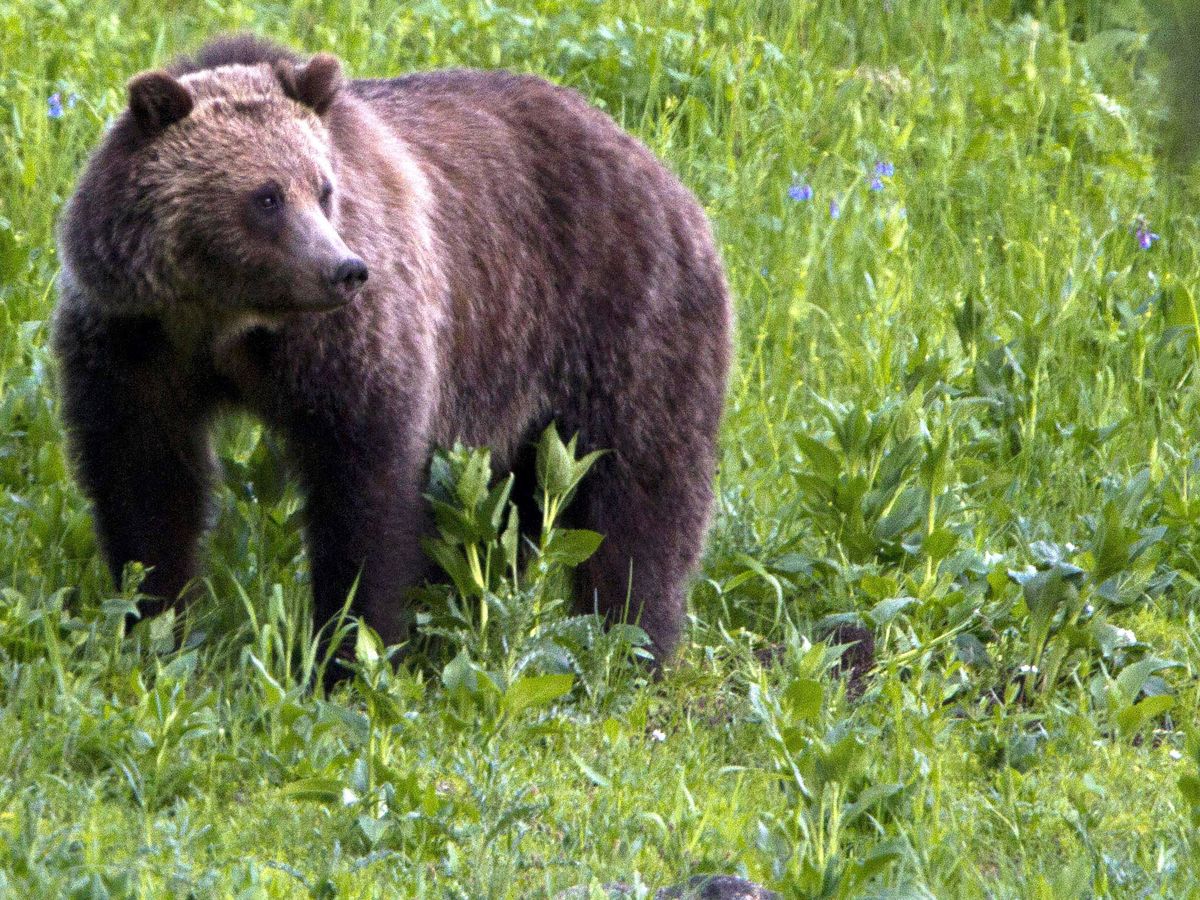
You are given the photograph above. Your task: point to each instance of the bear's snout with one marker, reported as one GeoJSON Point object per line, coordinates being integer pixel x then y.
{"type": "Point", "coordinates": [348, 277]}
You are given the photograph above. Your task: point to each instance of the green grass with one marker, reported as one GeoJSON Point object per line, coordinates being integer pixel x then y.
{"type": "Point", "coordinates": [963, 415]}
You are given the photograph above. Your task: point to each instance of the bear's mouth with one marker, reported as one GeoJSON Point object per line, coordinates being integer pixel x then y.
{"type": "Point", "coordinates": [325, 294]}
{"type": "Point", "coordinates": [286, 310]}
{"type": "Point", "coordinates": [323, 305]}
{"type": "Point", "coordinates": [319, 299]}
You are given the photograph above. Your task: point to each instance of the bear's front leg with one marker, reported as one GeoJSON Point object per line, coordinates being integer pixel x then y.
{"type": "Point", "coordinates": [366, 517]}
{"type": "Point", "coordinates": [138, 433]}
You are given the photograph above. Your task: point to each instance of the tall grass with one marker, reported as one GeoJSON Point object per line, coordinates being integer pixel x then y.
{"type": "Point", "coordinates": [962, 419]}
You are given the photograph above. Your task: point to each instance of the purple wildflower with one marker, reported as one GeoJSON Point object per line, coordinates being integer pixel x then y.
{"type": "Point", "coordinates": [1146, 237]}
{"type": "Point", "coordinates": [801, 193]}
{"type": "Point", "coordinates": [884, 169]}
{"type": "Point", "coordinates": [876, 184]}
{"type": "Point", "coordinates": [56, 107]}
{"type": "Point", "coordinates": [835, 209]}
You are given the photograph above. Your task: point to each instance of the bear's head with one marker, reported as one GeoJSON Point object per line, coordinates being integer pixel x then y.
{"type": "Point", "coordinates": [220, 187]}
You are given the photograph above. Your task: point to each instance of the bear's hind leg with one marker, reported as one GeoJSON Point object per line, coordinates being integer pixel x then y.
{"type": "Point", "coordinates": [653, 522]}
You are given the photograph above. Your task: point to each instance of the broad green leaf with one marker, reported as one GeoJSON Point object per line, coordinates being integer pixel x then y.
{"type": "Point", "coordinates": [1131, 718]}
{"type": "Point", "coordinates": [867, 798]}
{"type": "Point", "coordinates": [384, 709]}
{"type": "Point", "coordinates": [842, 760]}
{"type": "Point", "coordinates": [824, 461]}
{"type": "Point", "coordinates": [455, 525]}
{"type": "Point", "coordinates": [367, 646]}
{"type": "Point", "coordinates": [570, 547]}
{"type": "Point", "coordinates": [1046, 593]}
{"type": "Point", "coordinates": [492, 511]}
{"type": "Point", "coordinates": [555, 464]}
{"type": "Point", "coordinates": [472, 485]}
{"type": "Point", "coordinates": [453, 563]}
{"type": "Point", "coordinates": [885, 611]}
{"type": "Point", "coordinates": [462, 677]}
{"type": "Point", "coordinates": [536, 692]}
{"type": "Point", "coordinates": [879, 587]}
{"type": "Point", "coordinates": [940, 543]}
{"type": "Point", "coordinates": [584, 464]}
{"type": "Point", "coordinates": [904, 514]}
{"type": "Point", "coordinates": [1112, 544]}
{"type": "Point", "coordinates": [323, 790]}
{"type": "Point", "coordinates": [1133, 677]}
{"type": "Point", "coordinates": [354, 721]}
{"type": "Point", "coordinates": [373, 829]}
{"type": "Point", "coordinates": [878, 860]}
{"type": "Point", "coordinates": [804, 697]}
{"type": "Point", "coordinates": [510, 539]}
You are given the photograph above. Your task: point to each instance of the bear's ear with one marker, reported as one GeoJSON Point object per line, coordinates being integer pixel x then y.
{"type": "Point", "coordinates": [157, 100]}
{"type": "Point", "coordinates": [315, 83]}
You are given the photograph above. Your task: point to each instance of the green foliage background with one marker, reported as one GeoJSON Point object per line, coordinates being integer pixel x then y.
{"type": "Point", "coordinates": [963, 416]}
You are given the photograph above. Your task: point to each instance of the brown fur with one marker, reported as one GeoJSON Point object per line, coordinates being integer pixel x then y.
{"type": "Point", "coordinates": [529, 262]}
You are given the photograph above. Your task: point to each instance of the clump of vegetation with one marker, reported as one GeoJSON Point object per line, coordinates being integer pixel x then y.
{"type": "Point", "coordinates": [509, 610]}
{"type": "Point", "coordinates": [962, 423]}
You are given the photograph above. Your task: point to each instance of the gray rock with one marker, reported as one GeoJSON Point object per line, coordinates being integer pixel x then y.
{"type": "Point", "coordinates": [701, 887]}
{"type": "Point", "coordinates": [716, 887]}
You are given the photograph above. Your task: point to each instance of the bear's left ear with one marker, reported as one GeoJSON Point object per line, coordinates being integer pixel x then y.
{"type": "Point", "coordinates": [315, 83]}
{"type": "Point", "coordinates": [157, 100]}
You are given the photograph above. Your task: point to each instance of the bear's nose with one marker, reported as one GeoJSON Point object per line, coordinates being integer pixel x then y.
{"type": "Point", "coordinates": [349, 276]}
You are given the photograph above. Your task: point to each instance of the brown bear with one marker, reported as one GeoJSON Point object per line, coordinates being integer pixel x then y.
{"type": "Point", "coordinates": [376, 268]}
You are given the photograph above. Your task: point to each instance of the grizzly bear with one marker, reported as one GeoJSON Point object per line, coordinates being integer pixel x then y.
{"type": "Point", "coordinates": [376, 268]}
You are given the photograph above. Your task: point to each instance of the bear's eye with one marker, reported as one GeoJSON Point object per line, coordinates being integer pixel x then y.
{"type": "Point", "coordinates": [268, 198]}
{"type": "Point", "coordinates": [326, 194]}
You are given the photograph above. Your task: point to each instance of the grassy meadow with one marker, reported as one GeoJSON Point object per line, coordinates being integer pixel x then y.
{"type": "Point", "coordinates": [961, 423]}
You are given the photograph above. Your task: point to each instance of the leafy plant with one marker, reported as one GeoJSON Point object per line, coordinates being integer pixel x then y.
{"type": "Point", "coordinates": [820, 764]}
{"type": "Point", "coordinates": [503, 611]}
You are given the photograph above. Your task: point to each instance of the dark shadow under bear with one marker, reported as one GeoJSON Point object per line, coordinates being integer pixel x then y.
{"type": "Point", "coordinates": [376, 268]}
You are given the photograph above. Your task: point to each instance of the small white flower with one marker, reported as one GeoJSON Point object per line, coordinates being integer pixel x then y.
{"type": "Point", "coordinates": [658, 735]}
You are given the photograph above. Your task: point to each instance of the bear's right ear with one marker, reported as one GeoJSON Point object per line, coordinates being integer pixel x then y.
{"type": "Point", "coordinates": [156, 100]}
{"type": "Point", "coordinates": [315, 83]}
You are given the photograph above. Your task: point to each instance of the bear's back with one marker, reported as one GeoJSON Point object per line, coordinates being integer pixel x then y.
{"type": "Point", "coordinates": [570, 249]}
{"type": "Point", "coordinates": [545, 180]}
